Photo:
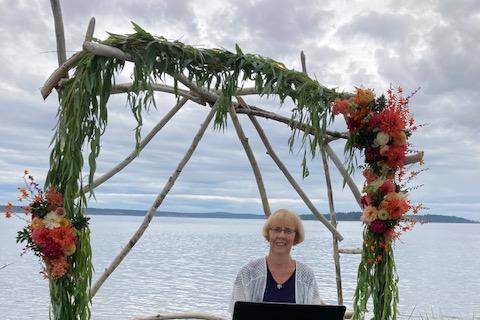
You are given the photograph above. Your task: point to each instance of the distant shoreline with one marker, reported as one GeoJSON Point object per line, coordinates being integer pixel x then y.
{"type": "Point", "coordinates": [341, 216]}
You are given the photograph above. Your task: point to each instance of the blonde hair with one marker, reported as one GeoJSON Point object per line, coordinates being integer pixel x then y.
{"type": "Point", "coordinates": [289, 216]}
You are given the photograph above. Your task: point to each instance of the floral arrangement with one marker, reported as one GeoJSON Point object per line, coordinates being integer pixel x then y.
{"type": "Point", "coordinates": [49, 233]}
{"type": "Point", "coordinates": [380, 127]}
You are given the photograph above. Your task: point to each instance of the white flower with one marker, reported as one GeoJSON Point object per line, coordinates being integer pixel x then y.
{"type": "Point", "coordinates": [52, 220]}
{"type": "Point", "coordinates": [372, 187]}
{"type": "Point", "coordinates": [381, 139]}
{"type": "Point", "coordinates": [383, 214]}
{"type": "Point", "coordinates": [369, 214]}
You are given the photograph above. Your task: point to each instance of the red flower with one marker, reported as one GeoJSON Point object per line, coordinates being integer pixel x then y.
{"type": "Point", "coordinates": [372, 155]}
{"type": "Point", "coordinates": [378, 226]}
{"type": "Point", "coordinates": [353, 125]}
{"type": "Point", "coordinates": [41, 236]}
{"type": "Point", "coordinates": [52, 250]}
{"type": "Point", "coordinates": [387, 187]}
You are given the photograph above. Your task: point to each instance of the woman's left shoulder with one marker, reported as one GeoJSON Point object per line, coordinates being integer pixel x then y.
{"type": "Point", "coordinates": [305, 272]}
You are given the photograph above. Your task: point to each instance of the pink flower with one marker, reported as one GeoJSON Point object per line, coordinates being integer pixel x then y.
{"type": "Point", "coordinates": [378, 226]}
{"type": "Point", "coordinates": [366, 201]}
{"type": "Point", "coordinates": [387, 187]}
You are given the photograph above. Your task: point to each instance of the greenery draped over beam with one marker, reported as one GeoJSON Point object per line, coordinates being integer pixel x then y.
{"type": "Point", "coordinates": [82, 119]}
{"type": "Point", "coordinates": [156, 57]}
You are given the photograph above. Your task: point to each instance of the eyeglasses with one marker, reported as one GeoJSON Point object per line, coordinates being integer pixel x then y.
{"type": "Point", "coordinates": [278, 230]}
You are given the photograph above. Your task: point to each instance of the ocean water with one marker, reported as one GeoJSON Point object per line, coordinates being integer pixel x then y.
{"type": "Point", "coordinates": [187, 264]}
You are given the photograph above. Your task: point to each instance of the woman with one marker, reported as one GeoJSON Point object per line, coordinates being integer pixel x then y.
{"type": "Point", "coordinates": [277, 277]}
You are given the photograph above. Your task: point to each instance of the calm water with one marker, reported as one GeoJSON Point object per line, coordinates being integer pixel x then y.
{"type": "Point", "coordinates": [185, 264]}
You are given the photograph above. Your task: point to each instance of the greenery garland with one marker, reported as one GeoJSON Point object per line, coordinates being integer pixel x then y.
{"type": "Point", "coordinates": [82, 118]}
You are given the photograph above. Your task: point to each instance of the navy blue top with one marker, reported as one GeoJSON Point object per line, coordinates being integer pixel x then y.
{"type": "Point", "coordinates": [286, 293]}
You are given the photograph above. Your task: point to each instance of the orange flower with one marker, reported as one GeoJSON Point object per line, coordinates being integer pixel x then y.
{"type": "Point", "coordinates": [24, 194]}
{"type": "Point", "coordinates": [400, 139]}
{"type": "Point", "coordinates": [69, 249]}
{"type": "Point", "coordinates": [54, 198]}
{"type": "Point", "coordinates": [58, 267]}
{"type": "Point", "coordinates": [340, 106]}
{"type": "Point", "coordinates": [369, 175]}
{"type": "Point", "coordinates": [8, 210]}
{"type": "Point", "coordinates": [37, 198]}
{"type": "Point", "coordinates": [395, 205]}
{"type": "Point", "coordinates": [63, 236]}
{"type": "Point", "coordinates": [364, 97]}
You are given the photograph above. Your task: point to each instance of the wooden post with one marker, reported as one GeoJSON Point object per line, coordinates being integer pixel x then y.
{"type": "Point", "coordinates": [251, 159]}
{"type": "Point", "coordinates": [158, 201]}
{"type": "Point", "coordinates": [333, 221]}
{"type": "Point", "coordinates": [333, 215]}
{"type": "Point", "coordinates": [59, 32]}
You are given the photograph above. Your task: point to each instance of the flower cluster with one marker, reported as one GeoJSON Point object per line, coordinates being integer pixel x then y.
{"type": "Point", "coordinates": [49, 233]}
{"type": "Point", "coordinates": [381, 128]}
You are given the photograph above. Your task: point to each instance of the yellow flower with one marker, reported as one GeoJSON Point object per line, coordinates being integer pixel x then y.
{"type": "Point", "coordinates": [36, 223]}
{"type": "Point", "coordinates": [69, 249]}
{"type": "Point", "coordinates": [400, 139]}
{"type": "Point", "coordinates": [64, 222]}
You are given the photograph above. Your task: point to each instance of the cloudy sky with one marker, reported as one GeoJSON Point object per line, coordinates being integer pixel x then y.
{"type": "Point", "coordinates": [434, 45]}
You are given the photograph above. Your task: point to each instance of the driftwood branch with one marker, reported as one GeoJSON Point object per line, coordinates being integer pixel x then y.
{"type": "Point", "coordinates": [414, 158]}
{"type": "Point", "coordinates": [251, 159]}
{"type": "Point", "coordinates": [90, 29]}
{"type": "Point", "coordinates": [350, 250]}
{"type": "Point", "coordinates": [126, 87]}
{"type": "Point", "coordinates": [136, 152]}
{"type": "Point", "coordinates": [292, 181]}
{"type": "Point", "coordinates": [182, 315]}
{"type": "Point", "coordinates": [59, 32]}
{"type": "Point", "coordinates": [346, 176]}
{"type": "Point", "coordinates": [331, 207]}
{"type": "Point", "coordinates": [333, 221]}
{"type": "Point", "coordinates": [158, 201]}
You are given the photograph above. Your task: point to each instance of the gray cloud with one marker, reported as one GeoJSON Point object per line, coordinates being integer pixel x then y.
{"type": "Point", "coordinates": [432, 44]}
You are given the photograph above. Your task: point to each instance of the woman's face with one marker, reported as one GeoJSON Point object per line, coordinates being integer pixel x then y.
{"type": "Point", "coordinates": [281, 235]}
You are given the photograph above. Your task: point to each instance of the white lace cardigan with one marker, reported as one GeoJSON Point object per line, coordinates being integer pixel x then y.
{"type": "Point", "coordinates": [252, 279]}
